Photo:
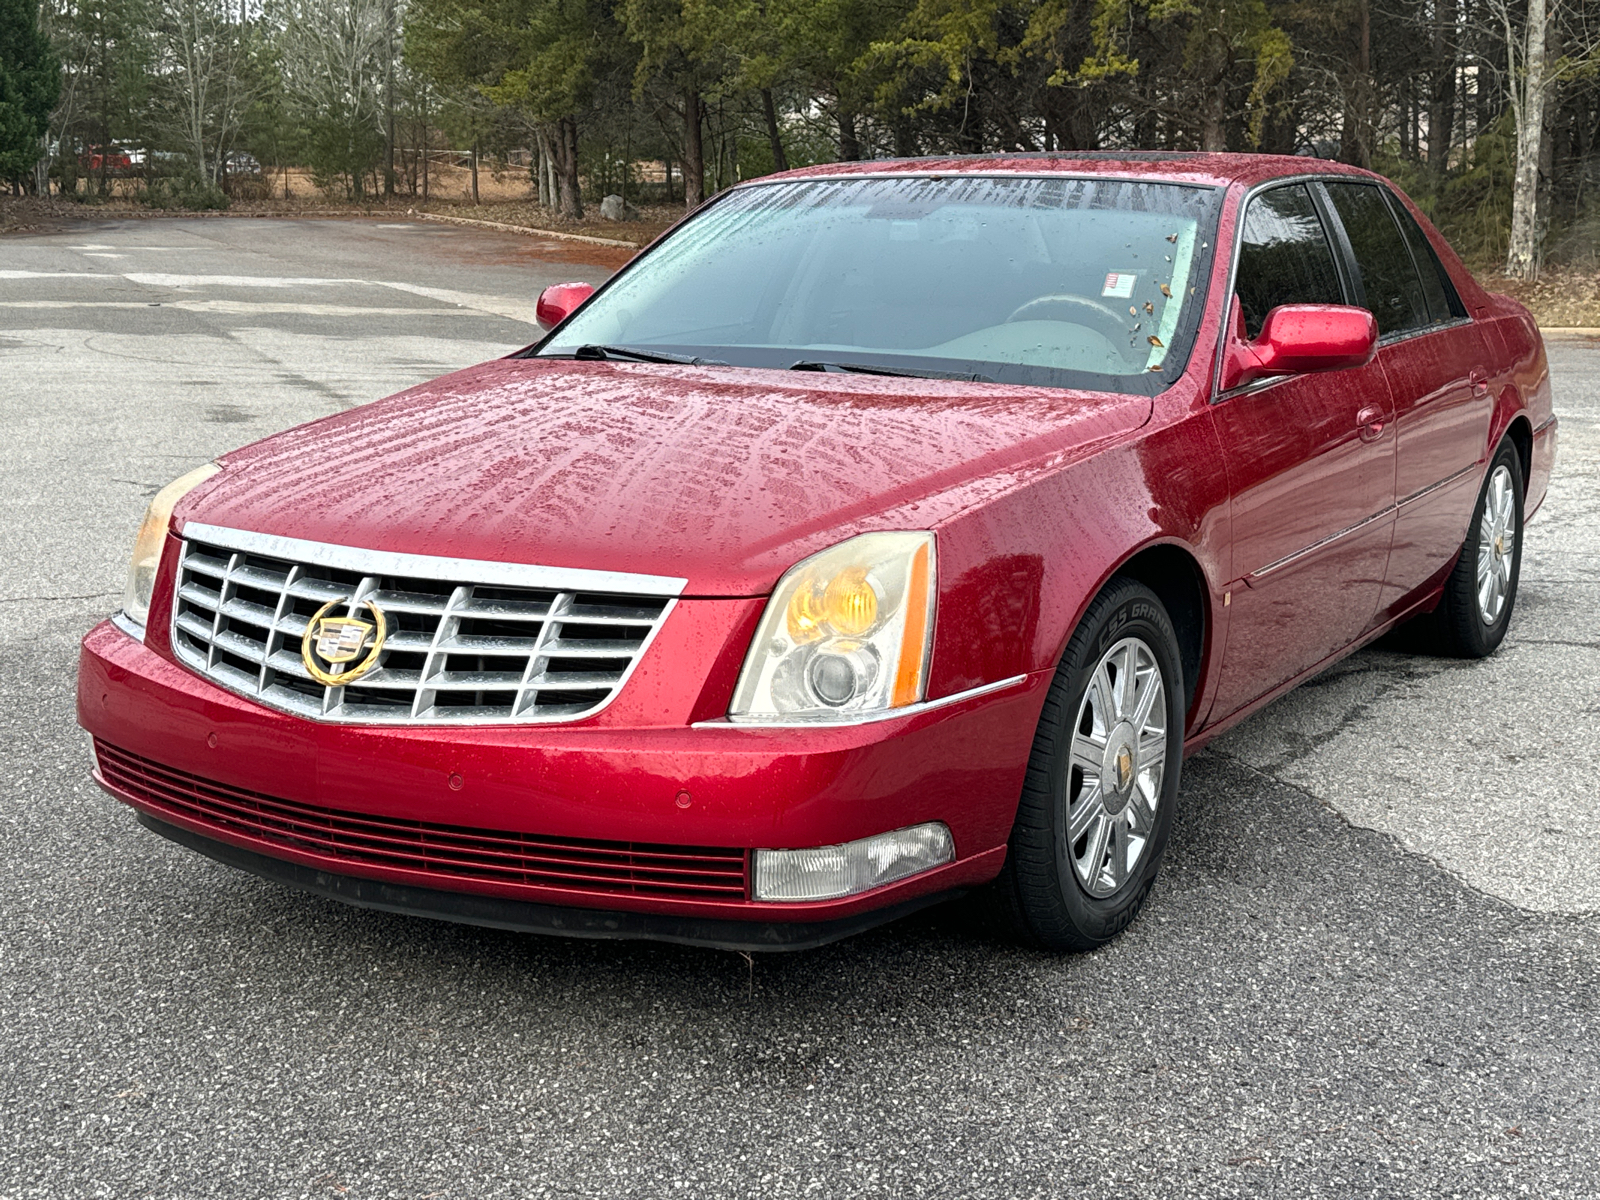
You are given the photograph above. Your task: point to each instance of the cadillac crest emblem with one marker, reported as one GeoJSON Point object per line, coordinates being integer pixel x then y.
{"type": "Point", "coordinates": [332, 642]}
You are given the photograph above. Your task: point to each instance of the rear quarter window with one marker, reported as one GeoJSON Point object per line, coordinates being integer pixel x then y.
{"type": "Point", "coordinates": [1443, 302]}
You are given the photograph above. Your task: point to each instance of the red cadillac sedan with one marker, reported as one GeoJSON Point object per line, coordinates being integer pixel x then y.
{"type": "Point", "coordinates": [884, 531]}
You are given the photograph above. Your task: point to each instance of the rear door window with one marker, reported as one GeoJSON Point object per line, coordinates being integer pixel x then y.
{"type": "Point", "coordinates": [1284, 256]}
{"type": "Point", "coordinates": [1389, 279]}
{"type": "Point", "coordinates": [1443, 303]}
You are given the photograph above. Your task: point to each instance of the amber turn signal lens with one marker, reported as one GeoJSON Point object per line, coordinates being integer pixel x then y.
{"type": "Point", "coordinates": [908, 680]}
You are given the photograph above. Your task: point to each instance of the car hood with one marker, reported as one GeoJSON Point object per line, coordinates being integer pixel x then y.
{"type": "Point", "coordinates": [722, 476]}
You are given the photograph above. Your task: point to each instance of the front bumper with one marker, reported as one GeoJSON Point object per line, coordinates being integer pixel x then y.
{"type": "Point", "coordinates": [1543, 466]}
{"type": "Point", "coordinates": [665, 786]}
{"type": "Point", "coordinates": [526, 916]}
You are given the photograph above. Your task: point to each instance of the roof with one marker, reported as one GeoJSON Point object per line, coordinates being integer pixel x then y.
{"type": "Point", "coordinates": [1184, 166]}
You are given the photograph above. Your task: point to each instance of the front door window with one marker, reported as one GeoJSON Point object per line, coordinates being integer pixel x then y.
{"type": "Point", "coordinates": [1284, 256]}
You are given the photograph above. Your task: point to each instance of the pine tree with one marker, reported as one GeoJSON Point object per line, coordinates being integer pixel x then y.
{"type": "Point", "coordinates": [30, 81]}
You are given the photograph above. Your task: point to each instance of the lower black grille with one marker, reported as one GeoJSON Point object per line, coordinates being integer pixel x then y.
{"type": "Point", "coordinates": [447, 851]}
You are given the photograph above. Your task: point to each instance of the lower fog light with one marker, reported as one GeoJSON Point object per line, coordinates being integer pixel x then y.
{"type": "Point", "coordinates": [828, 872]}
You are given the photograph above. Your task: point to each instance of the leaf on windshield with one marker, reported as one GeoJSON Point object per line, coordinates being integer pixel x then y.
{"type": "Point", "coordinates": [1154, 340]}
{"type": "Point", "coordinates": [1173, 238]}
{"type": "Point", "coordinates": [1149, 308]}
{"type": "Point", "coordinates": [1165, 290]}
{"type": "Point", "coordinates": [1155, 366]}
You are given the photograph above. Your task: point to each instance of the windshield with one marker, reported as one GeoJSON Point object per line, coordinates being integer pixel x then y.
{"type": "Point", "coordinates": [1053, 281]}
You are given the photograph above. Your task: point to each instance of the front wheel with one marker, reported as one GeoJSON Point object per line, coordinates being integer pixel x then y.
{"type": "Point", "coordinates": [1102, 781]}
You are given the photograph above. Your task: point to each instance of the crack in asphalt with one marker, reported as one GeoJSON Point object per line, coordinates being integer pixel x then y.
{"type": "Point", "coordinates": [46, 599]}
{"type": "Point", "coordinates": [148, 489]}
{"type": "Point", "coordinates": [1556, 642]}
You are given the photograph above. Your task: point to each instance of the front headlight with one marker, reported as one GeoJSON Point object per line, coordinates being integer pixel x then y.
{"type": "Point", "coordinates": [152, 537]}
{"type": "Point", "coordinates": [847, 632]}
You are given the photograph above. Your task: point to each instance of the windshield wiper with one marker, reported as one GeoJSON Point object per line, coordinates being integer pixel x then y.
{"type": "Point", "coordinates": [863, 369]}
{"type": "Point", "coordinates": [601, 353]}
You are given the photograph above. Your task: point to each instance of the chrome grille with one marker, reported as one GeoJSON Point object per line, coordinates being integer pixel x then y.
{"type": "Point", "coordinates": [468, 641]}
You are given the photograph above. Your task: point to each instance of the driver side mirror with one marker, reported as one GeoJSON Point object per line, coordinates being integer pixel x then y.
{"type": "Point", "coordinates": [1296, 338]}
{"type": "Point", "coordinates": [557, 302]}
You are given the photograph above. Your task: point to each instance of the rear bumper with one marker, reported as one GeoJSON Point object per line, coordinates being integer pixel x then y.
{"type": "Point", "coordinates": [630, 788]}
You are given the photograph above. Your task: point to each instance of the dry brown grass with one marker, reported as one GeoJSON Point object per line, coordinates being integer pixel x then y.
{"type": "Point", "coordinates": [29, 214]}
{"type": "Point", "coordinates": [507, 200]}
{"type": "Point", "coordinates": [1563, 298]}
{"type": "Point", "coordinates": [527, 213]}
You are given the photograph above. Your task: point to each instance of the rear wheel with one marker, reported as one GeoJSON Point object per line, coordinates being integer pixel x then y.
{"type": "Point", "coordinates": [1097, 802]}
{"type": "Point", "coordinates": [1473, 615]}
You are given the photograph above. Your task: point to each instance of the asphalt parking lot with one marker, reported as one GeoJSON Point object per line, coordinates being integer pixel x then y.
{"type": "Point", "coordinates": [1371, 967]}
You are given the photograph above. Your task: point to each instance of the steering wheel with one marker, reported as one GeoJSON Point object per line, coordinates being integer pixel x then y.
{"type": "Point", "coordinates": [1104, 320]}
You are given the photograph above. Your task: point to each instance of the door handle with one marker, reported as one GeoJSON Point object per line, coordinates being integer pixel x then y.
{"type": "Point", "coordinates": [1370, 421]}
{"type": "Point", "coordinates": [1480, 382]}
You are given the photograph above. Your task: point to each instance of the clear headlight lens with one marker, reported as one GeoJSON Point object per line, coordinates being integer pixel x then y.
{"type": "Point", "coordinates": [152, 537]}
{"type": "Point", "coordinates": [846, 632]}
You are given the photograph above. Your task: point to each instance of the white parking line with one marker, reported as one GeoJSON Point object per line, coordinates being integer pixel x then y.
{"type": "Point", "coordinates": [500, 306]}
{"type": "Point", "coordinates": [245, 307]}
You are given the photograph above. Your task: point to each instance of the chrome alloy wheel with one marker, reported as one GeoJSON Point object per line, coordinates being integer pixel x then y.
{"type": "Point", "coordinates": [1119, 757]}
{"type": "Point", "coordinates": [1497, 543]}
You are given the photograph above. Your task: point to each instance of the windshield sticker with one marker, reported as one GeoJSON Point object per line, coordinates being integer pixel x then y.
{"type": "Point", "coordinates": [1119, 284]}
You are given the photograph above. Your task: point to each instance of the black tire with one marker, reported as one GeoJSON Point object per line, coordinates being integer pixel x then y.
{"type": "Point", "coordinates": [1039, 893]}
{"type": "Point", "coordinates": [1459, 628]}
